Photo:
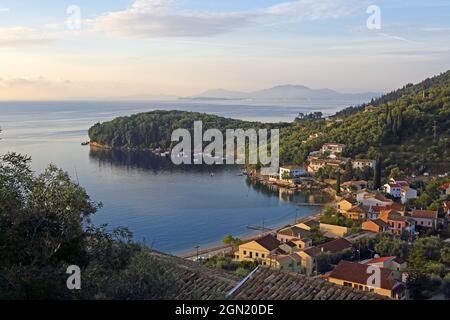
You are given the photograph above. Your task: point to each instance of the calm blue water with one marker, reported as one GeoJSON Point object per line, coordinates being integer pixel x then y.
{"type": "Point", "coordinates": [172, 208]}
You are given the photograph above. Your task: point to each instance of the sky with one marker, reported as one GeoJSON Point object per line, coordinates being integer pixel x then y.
{"type": "Point", "coordinates": [106, 49]}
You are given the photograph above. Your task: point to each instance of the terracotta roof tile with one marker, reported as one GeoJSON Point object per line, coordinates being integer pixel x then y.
{"type": "Point", "coordinates": [424, 214]}
{"type": "Point", "coordinates": [277, 285]}
{"type": "Point", "coordinates": [269, 242]}
{"type": "Point", "coordinates": [335, 246]}
{"type": "Point", "coordinates": [356, 272]}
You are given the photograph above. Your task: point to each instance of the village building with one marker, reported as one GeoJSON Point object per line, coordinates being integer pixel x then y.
{"type": "Point", "coordinates": [315, 164]}
{"type": "Point", "coordinates": [333, 148]}
{"type": "Point", "coordinates": [363, 163]}
{"type": "Point", "coordinates": [309, 225]}
{"type": "Point", "coordinates": [407, 193]}
{"type": "Point", "coordinates": [290, 262]}
{"type": "Point", "coordinates": [289, 172]}
{"type": "Point", "coordinates": [351, 186]}
{"type": "Point", "coordinates": [333, 231]}
{"type": "Point", "coordinates": [356, 276]}
{"type": "Point", "coordinates": [375, 226]}
{"type": "Point", "coordinates": [309, 255]}
{"type": "Point", "coordinates": [425, 218]}
{"type": "Point", "coordinates": [300, 237]}
{"type": "Point", "coordinates": [393, 263]}
{"type": "Point", "coordinates": [397, 222]}
{"type": "Point", "coordinates": [401, 181]}
{"type": "Point", "coordinates": [345, 204]}
{"type": "Point", "coordinates": [371, 199]}
{"type": "Point", "coordinates": [259, 250]}
{"type": "Point", "coordinates": [393, 189]}
{"type": "Point", "coordinates": [356, 212]}
{"type": "Point", "coordinates": [370, 108]}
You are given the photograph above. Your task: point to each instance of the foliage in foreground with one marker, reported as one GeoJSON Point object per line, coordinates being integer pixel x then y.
{"type": "Point", "coordinates": [45, 227]}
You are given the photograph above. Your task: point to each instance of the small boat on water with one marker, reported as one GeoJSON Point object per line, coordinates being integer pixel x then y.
{"type": "Point", "coordinates": [85, 143]}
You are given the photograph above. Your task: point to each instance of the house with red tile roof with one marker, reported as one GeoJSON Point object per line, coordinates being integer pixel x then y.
{"type": "Point", "coordinates": [396, 221]}
{"type": "Point", "coordinates": [309, 255]}
{"type": "Point", "coordinates": [366, 278]}
{"type": "Point", "coordinates": [393, 263]}
{"type": "Point", "coordinates": [375, 226]}
{"type": "Point", "coordinates": [425, 218]}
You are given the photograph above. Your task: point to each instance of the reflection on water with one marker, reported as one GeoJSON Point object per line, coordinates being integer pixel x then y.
{"type": "Point", "coordinates": [174, 208]}
{"type": "Point", "coordinates": [149, 161]}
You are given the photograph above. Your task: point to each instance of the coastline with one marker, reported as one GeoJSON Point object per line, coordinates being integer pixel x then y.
{"type": "Point", "coordinates": [220, 248]}
{"type": "Point", "coordinates": [96, 145]}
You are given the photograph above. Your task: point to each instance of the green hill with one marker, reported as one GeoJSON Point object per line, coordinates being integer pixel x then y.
{"type": "Point", "coordinates": [153, 129]}
{"type": "Point", "coordinates": [409, 127]}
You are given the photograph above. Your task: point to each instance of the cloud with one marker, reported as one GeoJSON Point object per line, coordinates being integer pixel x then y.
{"type": "Point", "coordinates": [162, 18]}
{"type": "Point", "coordinates": [32, 80]}
{"type": "Point", "coordinates": [22, 36]}
{"type": "Point", "coordinates": [315, 10]}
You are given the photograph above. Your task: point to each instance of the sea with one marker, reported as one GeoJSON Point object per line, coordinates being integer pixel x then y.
{"type": "Point", "coordinates": [172, 209]}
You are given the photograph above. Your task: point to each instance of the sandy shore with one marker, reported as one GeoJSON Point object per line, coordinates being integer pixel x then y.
{"type": "Point", "coordinates": [219, 249]}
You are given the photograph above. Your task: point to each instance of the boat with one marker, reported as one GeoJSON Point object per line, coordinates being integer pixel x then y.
{"type": "Point", "coordinates": [85, 143]}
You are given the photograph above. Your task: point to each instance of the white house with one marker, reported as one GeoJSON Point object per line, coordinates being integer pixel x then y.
{"type": "Point", "coordinates": [407, 193]}
{"type": "Point", "coordinates": [333, 148]}
{"type": "Point", "coordinates": [425, 218]}
{"type": "Point", "coordinates": [372, 199]}
{"type": "Point", "coordinates": [363, 163]}
{"type": "Point", "coordinates": [292, 171]}
{"type": "Point", "coordinates": [393, 189]}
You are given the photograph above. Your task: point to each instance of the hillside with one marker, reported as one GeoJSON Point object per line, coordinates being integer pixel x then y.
{"type": "Point", "coordinates": [409, 127]}
{"type": "Point", "coordinates": [284, 93]}
{"type": "Point", "coordinates": [154, 129]}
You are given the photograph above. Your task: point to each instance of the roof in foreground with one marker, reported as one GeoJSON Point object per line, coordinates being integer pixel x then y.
{"type": "Point", "coordinates": [267, 284]}
{"type": "Point", "coordinates": [197, 282]}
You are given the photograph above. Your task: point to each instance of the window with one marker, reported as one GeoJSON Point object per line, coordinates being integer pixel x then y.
{"type": "Point", "coordinates": [262, 255]}
{"type": "Point", "coordinates": [256, 254]}
{"type": "Point", "coordinates": [245, 252]}
{"type": "Point", "coordinates": [347, 284]}
{"type": "Point", "coordinates": [251, 254]}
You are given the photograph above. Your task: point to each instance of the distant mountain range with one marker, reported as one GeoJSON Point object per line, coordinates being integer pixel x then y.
{"type": "Point", "coordinates": [283, 92]}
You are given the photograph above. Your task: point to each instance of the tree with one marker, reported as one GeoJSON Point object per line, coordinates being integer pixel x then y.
{"type": "Point", "coordinates": [390, 246]}
{"type": "Point", "coordinates": [338, 183]}
{"type": "Point", "coordinates": [396, 173]}
{"type": "Point", "coordinates": [45, 227]}
{"type": "Point", "coordinates": [377, 175]}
